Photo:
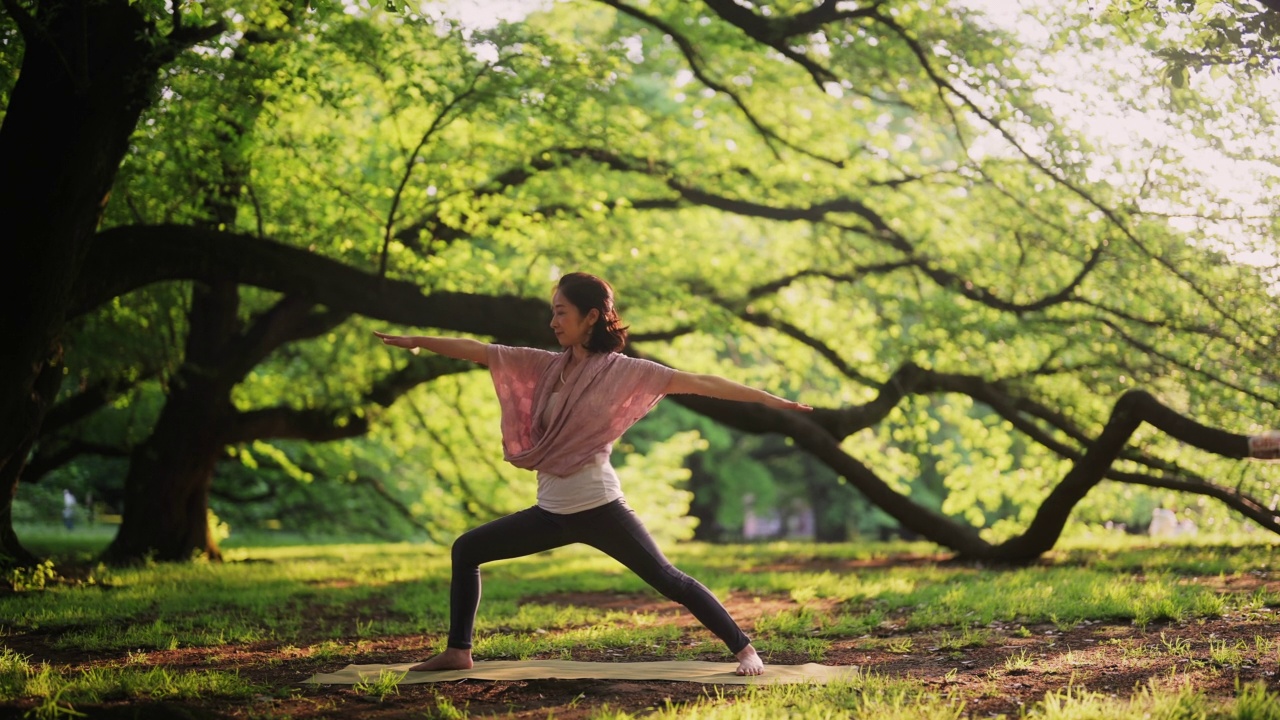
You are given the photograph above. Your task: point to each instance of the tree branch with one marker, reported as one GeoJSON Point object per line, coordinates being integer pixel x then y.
{"type": "Point", "coordinates": [690, 53]}
{"type": "Point", "coordinates": [88, 401]}
{"type": "Point", "coordinates": [436, 124]}
{"type": "Point", "coordinates": [775, 33]}
{"type": "Point", "coordinates": [46, 461]}
{"type": "Point", "coordinates": [321, 425]}
{"type": "Point", "coordinates": [287, 321]}
{"type": "Point", "coordinates": [418, 371]}
{"type": "Point", "coordinates": [178, 252]}
{"type": "Point", "coordinates": [1131, 410]}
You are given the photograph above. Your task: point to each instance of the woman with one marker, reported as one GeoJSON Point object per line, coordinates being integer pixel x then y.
{"type": "Point", "coordinates": [561, 413]}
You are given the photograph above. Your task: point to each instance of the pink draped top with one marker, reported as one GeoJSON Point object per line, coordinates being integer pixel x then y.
{"type": "Point", "coordinates": [601, 398]}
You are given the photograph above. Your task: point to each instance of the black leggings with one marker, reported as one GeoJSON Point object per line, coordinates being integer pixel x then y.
{"type": "Point", "coordinates": [613, 529]}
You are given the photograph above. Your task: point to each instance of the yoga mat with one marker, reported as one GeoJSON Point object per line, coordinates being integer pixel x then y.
{"type": "Point", "coordinates": [680, 670]}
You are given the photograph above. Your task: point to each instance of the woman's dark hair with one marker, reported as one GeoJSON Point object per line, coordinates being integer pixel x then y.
{"type": "Point", "coordinates": [587, 293]}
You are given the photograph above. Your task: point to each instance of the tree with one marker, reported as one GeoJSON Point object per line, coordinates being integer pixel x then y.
{"type": "Point", "coordinates": [914, 192]}
{"type": "Point", "coordinates": [88, 70]}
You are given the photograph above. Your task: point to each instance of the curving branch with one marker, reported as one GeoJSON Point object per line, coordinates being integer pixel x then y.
{"type": "Point", "coordinates": [289, 320]}
{"type": "Point", "coordinates": [1152, 351]}
{"type": "Point", "coordinates": [438, 122]}
{"type": "Point", "coordinates": [417, 371]}
{"type": "Point", "coordinates": [321, 425]}
{"type": "Point", "coordinates": [88, 401]}
{"type": "Point", "coordinates": [825, 211]}
{"type": "Point", "coordinates": [776, 33]}
{"type": "Point", "coordinates": [46, 461]}
{"type": "Point", "coordinates": [179, 252]}
{"type": "Point", "coordinates": [856, 275]}
{"type": "Point", "coordinates": [1199, 329]}
{"type": "Point", "coordinates": [1243, 504]}
{"type": "Point", "coordinates": [809, 435]}
{"type": "Point", "coordinates": [1131, 410]}
{"type": "Point", "coordinates": [762, 320]}
{"type": "Point", "coordinates": [691, 55]}
{"type": "Point", "coordinates": [1020, 412]}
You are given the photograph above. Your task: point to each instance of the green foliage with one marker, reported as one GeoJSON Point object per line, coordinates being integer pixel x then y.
{"type": "Point", "coordinates": [22, 579]}
{"type": "Point", "coordinates": [1252, 701]}
{"type": "Point", "coordinates": [414, 145]}
{"type": "Point", "coordinates": [55, 687]}
{"type": "Point", "coordinates": [405, 589]}
{"type": "Point", "coordinates": [653, 484]}
{"type": "Point", "coordinates": [385, 684]}
{"type": "Point", "coordinates": [868, 696]}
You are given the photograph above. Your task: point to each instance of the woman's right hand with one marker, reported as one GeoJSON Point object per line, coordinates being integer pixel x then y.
{"type": "Point", "coordinates": [779, 403]}
{"type": "Point", "coordinates": [402, 341]}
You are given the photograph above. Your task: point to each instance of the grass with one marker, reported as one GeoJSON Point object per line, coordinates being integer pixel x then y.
{"type": "Point", "coordinates": [877, 697]}
{"type": "Point", "coordinates": [19, 678]}
{"type": "Point", "coordinates": [1021, 660]}
{"type": "Point", "coordinates": [1227, 654]}
{"type": "Point", "coordinates": [322, 604]}
{"type": "Point", "coordinates": [387, 683]}
{"type": "Point", "coordinates": [870, 696]}
{"type": "Point", "coordinates": [289, 593]}
{"type": "Point", "coordinates": [1252, 702]}
{"type": "Point", "coordinates": [966, 638]}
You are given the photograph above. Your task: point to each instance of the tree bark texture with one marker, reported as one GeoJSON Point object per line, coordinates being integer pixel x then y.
{"type": "Point", "coordinates": [88, 70]}
{"type": "Point", "coordinates": [167, 486]}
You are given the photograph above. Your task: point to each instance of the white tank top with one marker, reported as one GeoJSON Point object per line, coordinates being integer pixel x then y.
{"type": "Point", "coordinates": [590, 486]}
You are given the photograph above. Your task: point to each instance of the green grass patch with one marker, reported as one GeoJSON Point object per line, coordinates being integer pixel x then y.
{"type": "Point", "coordinates": [522, 646]}
{"type": "Point", "coordinates": [387, 683]}
{"type": "Point", "coordinates": [19, 680]}
{"type": "Point", "coordinates": [306, 596]}
{"type": "Point", "coordinates": [1252, 702]}
{"type": "Point", "coordinates": [867, 696]}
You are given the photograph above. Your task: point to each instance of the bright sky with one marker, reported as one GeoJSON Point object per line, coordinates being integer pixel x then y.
{"type": "Point", "coordinates": [483, 14]}
{"type": "Point", "coordinates": [1123, 124]}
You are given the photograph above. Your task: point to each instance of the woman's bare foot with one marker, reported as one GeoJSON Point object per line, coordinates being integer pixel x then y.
{"type": "Point", "coordinates": [749, 663]}
{"type": "Point", "coordinates": [450, 659]}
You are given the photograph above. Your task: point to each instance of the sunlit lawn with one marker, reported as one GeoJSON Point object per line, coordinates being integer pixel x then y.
{"type": "Point", "coordinates": [316, 601]}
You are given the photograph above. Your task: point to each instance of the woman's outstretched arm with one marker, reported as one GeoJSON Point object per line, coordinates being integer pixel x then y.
{"type": "Point", "coordinates": [460, 348]}
{"type": "Point", "coordinates": [683, 383]}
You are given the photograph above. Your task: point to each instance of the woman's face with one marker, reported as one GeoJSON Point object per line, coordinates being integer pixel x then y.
{"type": "Point", "coordinates": [569, 324]}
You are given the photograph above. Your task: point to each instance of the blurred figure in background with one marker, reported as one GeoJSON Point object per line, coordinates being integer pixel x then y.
{"type": "Point", "coordinates": [68, 509]}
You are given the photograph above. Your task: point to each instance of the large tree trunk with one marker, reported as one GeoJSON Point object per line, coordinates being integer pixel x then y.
{"type": "Point", "coordinates": [167, 488]}
{"type": "Point", "coordinates": [703, 486]}
{"type": "Point", "coordinates": [77, 99]}
{"type": "Point", "coordinates": [828, 527]}
{"type": "Point", "coordinates": [166, 503]}
{"type": "Point", "coordinates": [12, 553]}
{"type": "Point", "coordinates": [88, 70]}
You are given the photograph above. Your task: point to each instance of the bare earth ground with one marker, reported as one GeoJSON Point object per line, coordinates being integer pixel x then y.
{"type": "Point", "coordinates": [1110, 658]}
